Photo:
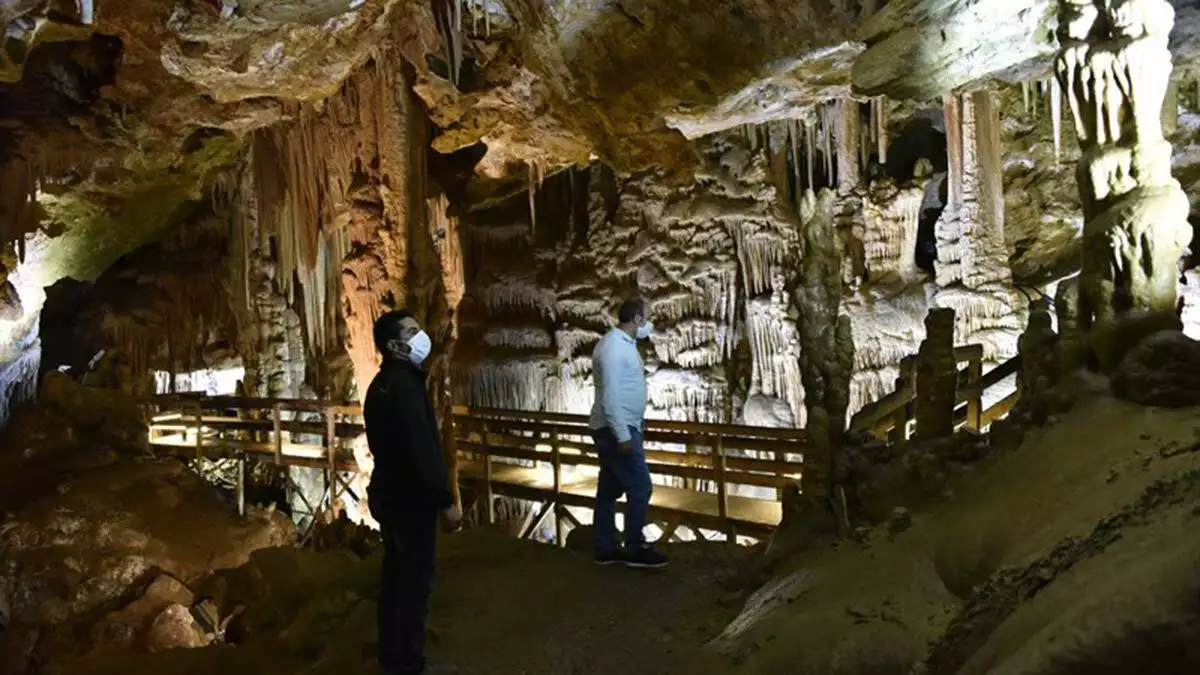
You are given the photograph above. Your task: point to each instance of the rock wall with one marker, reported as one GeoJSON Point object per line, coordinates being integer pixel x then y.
{"type": "Point", "coordinates": [716, 261]}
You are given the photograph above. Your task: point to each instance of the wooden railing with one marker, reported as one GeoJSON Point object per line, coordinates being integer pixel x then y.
{"type": "Point", "coordinates": [268, 430]}
{"type": "Point", "coordinates": [707, 460]}
{"type": "Point", "coordinates": [890, 417]}
{"type": "Point", "coordinates": [503, 449]}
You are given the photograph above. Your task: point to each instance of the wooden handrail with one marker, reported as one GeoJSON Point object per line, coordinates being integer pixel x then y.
{"type": "Point", "coordinates": [882, 415]}
{"type": "Point", "coordinates": [651, 424]}
{"type": "Point", "coordinates": [716, 456]}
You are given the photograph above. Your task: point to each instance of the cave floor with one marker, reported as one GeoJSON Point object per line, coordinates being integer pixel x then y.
{"type": "Point", "coordinates": [501, 607]}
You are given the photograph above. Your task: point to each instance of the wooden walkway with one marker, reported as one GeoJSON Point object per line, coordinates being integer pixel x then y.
{"type": "Point", "coordinates": [546, 458]}
{"type": "Point", "coordinates": [698, 468]}
{"type": "Point", "coordinates": [708, 477]}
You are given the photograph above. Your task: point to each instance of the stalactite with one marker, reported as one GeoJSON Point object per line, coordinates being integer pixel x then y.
{"type": "Point", "coordinates": [849, 171]}
{"type": "Point", "coordinates": [866, 142]}
{"type": "Point", "coordinates": [1056, 118]}
{"type": "Point", "coordinates": [952, 107]}
{"type": "Point", "coordinates": [809, 154]}
{"type": "Point", "coordinates": [826, 145]}
{"type": "Point", "coordinates": [449, 21]}
{"type": "Point", "coordinates": [991, 264]}
{"type": "Point", "coordinates": [536, 175]}
{"type": "Point", "coordinates": [881, 132]}
{"type": "Point", "coordinates": [794, 141]}
{"type": "Point", "coordinates": [19, 379]}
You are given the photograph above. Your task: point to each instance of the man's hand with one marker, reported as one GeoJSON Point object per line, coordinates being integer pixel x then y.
{"type": "Point", "coordinates": [452, 518]}
{"type": "Point", "coordinates": [627, 446]}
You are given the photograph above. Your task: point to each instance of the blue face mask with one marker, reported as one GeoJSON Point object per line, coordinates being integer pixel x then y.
{"type": "Point", "coordinates": [419, 347]}
{"type": "Point", "coordinates": [644, 330]}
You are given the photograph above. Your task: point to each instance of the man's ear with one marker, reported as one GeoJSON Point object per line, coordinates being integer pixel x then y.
{"type": "Point", "coordinates": [398, 346]}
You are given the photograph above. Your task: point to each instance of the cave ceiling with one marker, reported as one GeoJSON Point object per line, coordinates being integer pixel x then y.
{"type": "Point", "coordinates": [160, 97]}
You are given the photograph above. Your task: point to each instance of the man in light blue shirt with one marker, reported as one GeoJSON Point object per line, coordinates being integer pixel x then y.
{"type": "Point", "coordinates": [617, 424]}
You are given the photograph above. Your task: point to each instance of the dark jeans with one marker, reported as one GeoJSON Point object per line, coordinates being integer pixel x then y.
{"type": "Point", "coordinates": [409, 550]}
{"type": "Point", "coordinates": [621, 473]}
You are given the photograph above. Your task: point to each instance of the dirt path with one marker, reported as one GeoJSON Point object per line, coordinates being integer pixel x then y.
{"type": "Point", "coordinates": [505, 608]}
{"type": "Point", "coordinates": [501, 607]}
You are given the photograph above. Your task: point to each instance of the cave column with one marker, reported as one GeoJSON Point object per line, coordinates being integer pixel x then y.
{"type": "Point", "coordinates": [1115, 67]}
{"type": "Point", "coordinates": [849, 169]}
{"type": "Point", "coordinates": [937, 377]}
{"type": "Point", "coordinates": [827, 346]}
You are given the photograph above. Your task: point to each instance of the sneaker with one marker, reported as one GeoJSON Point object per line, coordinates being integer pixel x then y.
{"type": "Point", "coordinates": [615, 558]}
{"type": "Point", "coordinates": [646, 558]}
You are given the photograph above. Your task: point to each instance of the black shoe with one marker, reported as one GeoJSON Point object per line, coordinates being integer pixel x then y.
{"type": "Point", "coordinates": [614, 558]}
{"type": "Point", "coordinates": [646, 558]}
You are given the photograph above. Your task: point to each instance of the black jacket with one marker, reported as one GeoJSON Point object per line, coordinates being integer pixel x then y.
{"type": "Point", "coordinates": [402, 432]}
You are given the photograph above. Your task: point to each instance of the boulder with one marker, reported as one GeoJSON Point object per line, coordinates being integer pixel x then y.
{"type": "Point", "coordinates": [121, 628]}
{"type": "Point", "coordinates": [176, 628]}
{"type": "Point", "coordinates": [1163, 370]}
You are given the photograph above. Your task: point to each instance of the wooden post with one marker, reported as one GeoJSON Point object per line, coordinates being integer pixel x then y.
{"type": "Point", "coordinates": [718, 451]}
{"type": "Point", "coordinates": [488, 497]}
{"type": "Point", "coordinates": [975, 403]}
{"type": "Point", "coordinates": [899, 432]}
{"type": "Point", "coordinates": [331, 480]}
{"type": "Point", "coordinates": [277, 425]}
{"type": "Point", "coordinates": [199, 432]}
{"type": "Point", "coordinates": [241, 484]}
{"type": "Point", "coordinates": [556, 457]}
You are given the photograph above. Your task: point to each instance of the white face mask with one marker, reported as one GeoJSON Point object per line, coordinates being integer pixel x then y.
{"type": "Point", "coordinates": [419, 347]}
{"type": "Point", "coordinates": [644, 330]}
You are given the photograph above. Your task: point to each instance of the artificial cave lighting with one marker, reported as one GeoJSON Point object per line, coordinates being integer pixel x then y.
{"type": "Point", "coordinates": [208, 381]}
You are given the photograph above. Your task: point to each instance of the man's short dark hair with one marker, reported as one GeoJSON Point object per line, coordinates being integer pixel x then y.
{"type": "Point", "coordinates": [630, 310]}
{"type": "Point", "coordinates": [387, 327]}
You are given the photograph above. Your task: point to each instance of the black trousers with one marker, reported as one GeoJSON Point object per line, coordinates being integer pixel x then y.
{"type": "Point", "coordinates": [409, 553]}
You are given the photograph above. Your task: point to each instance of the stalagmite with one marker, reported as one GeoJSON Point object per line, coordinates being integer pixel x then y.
{"type": "Point", "coordinates": [937, 377]}
{"type": "Point", "coordinates": [827, 345]}
{"type": "Point", "coordinates": [1025, 95]}
{"type": "Point", "coordinates": [1040, 365]}
{"type": "Point", "coordinates": [1115, 70]}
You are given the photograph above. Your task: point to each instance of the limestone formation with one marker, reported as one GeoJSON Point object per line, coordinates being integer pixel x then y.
{"type": "Point", "coordinates": [827, 347]}
{"type": "Point", "coordinates": [1040, 360]}
{"type": "Point", "coordinates": [936, 377]}
{"type": "Point", "coordinates": [973, 274]}
{"type": "Point", "coordinates": [1115, 67]}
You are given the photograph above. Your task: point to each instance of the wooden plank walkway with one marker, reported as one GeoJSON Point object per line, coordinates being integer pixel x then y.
{"type": "Point", "coordinates": [523, 454]}
{"type": "Point", "coordinates": [747, 515]}
{"type": "Point", "coordinates": [493, 445]}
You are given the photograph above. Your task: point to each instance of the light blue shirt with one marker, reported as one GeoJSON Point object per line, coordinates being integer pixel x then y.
{"type": "Point", "coordinates": [620, 378]}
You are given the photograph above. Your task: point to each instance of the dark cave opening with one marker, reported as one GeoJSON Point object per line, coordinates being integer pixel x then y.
{"type": "Point", "coordinates": [923, 137]}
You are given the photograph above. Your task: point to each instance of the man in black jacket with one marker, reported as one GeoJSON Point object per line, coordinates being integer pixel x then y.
{"type": "Point", "coordinates": [408, 491]}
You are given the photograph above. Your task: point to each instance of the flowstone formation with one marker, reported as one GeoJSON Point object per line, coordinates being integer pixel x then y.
{"type": "Point", "coordinates": [973, 274]}
{"type": "Point", "coordinates": [1115, 69]}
